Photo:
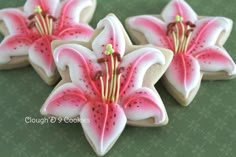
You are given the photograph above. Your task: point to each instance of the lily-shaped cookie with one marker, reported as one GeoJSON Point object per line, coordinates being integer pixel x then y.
{"type": "Point", "coordinates": [29, 32]}
{"type": "Point", "coordinates": [108, 82]}
{"type": "Point", "coordinates": [196, 43]}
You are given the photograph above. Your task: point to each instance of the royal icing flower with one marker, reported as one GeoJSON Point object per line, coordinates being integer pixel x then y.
{"type": "Point", "coordinates": [108, 84]}
{"type": "Point", "coordinates": [30, 32]}
{"type": "Point", "coordinates": [197, 44]}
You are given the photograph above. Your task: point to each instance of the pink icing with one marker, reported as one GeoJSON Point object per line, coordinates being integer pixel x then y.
{"type": "Point", "coordinates": [178, 7]}
{"type": "Point", "coordinates": [196, 43]}
{"type": "Point", "coordinates": [43, 25]}
{"type": "Point", "coordinates": [105, 84]}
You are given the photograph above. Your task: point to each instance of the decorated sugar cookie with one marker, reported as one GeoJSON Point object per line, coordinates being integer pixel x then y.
{"type": "Point", "coordinates": [30, 30]}
{"type": "Point", "coordinates": [196, 42]}
{"type": "Point", "coordinates": [108, 83]}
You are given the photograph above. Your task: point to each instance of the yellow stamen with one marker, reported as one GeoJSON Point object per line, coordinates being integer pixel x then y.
{"type": "Point", "coordinates": [115, 79]}
{"type": "Point", "coordinates": [177, 38]}
{"type": "Point", "coordinates": [118, 88]}
{"type": "Point", "coordinates": [39, 24]}
{"type": "Point", "coordinates": [50, 26]}
{"type": "Point", "coordinates": [175, 41]}
{"type": "Point", "coordinates": [187, 42]}
{"type": "Point", "coordinates": [112, 77]}
{"type": "Point", "coordinates": [110, 83]}
{"type": "Point", "coordinates": [107, 80]}
{"type": "Point", "coordinates": [180, 34]}
{"type": "Point", "coordinates": [43, 23]}
{"type": "Point", "coordinates": [102, 88]}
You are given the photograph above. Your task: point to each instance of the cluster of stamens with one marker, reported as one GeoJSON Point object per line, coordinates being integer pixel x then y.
{"type": "Point", "coordinates": [110, 80]}
{"type": "Point", "coordinates": [42, 21]}
{"type": "Point", "coordinates": [180, 32]}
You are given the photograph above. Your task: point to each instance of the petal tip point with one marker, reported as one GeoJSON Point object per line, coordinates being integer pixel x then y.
{"type": "Point", "coordinates": [233, 72]}
{"type": "Point", "coordinates": [43, 112]}
{"type": "Point", "coordinates": [164, 121]}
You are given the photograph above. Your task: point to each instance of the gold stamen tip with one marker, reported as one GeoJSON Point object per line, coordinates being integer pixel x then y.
{"type": "Point", "coordinates": [38, 9]}
{"type": "Point", "coordinates": [178, 18]}
{"type": "Point", "coordinates": [109, 49]}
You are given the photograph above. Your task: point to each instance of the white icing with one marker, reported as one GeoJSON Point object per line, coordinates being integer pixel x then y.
{"type": "Point", "coordinates": [226, 63]}
{"type": "Point", "coordinates": [66, 56]}
{"type": "Point", "coordinates": [215, 32]}
{"type": "Point", "coordinates": [63, 60]}
{"type": "Point", "coordinates": [76, 7]}
{"type": "Point", "coordinates": [156, 57]}
{"type": "Point", "coordinates": [104, 142]}
{"type": "Point", "coordinates": [64, 110]}
{"type": "Point", "coordinates": [111, 29]}
{"type": "Point", "coordinates": [187, 85]}
{"type": "Point", "coordinates": [175, 7]}
{"type": "Point", "coordinates": [152, 35]}
{"type": "Point", "coordinates": [6, 52]}
{"type": "Point", "coordinates": [31, 4]}
{"type": "Point", "coordinates": [38, 59]}
{"type": "Point", "coordinates": [157, 112]}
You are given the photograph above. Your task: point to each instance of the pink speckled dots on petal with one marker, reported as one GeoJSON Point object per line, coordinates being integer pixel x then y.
{"type": "Point", "coordinates": [196, 42]}
{"type": "Point", "coordinates": [42, 21]}
{"type": "Point", "coordinates": [106, 88]}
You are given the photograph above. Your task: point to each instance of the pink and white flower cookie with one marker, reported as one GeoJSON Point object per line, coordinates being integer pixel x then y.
{"type": "Point", "coordinates": [197, 44]}
{"type": "Point", "coordinates": [29, 32]}
{"type": "Point", "coordinates": [108, 83]}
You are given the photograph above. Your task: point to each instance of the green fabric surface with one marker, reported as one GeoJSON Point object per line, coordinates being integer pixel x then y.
{"type": "Point", "coordinates": [206, 128]}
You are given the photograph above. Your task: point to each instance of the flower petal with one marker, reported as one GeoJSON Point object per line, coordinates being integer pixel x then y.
{"type": "Point", "coordinates": [208, 32]}
{"type": "Point", "coordinates": [66, 101]}
{"type": "Point", "coordinates": [135, 65]}
{"type": "Point", "coordinates": [16, 45]}
{"type": "Point", "coordinates": [70, 12]}
{"type": "Point", "coordinates": [143, 104]}
{"type": "Point", "coordinates": [106, 123]}
{"type": "Point", "coordinates": [214, 59]}
{"type": "Point", "coordinates": [40, 54]}
{"type": "Point", "coordinates": [178, 7]}
{"type": "Point", "coordinates": [183, 74]}
{"type": "Point", "coordinates": [15, 21]}
{"type": "Point", "coordinates": [82, 64]}
{"type": "Point", "coordinates": [152, 28]}
{"type": "Point", "coordinates": [81, 32]}
{"type": "Point", "coordinates": [112, 33]}
{"type": "Point", "coordinates": [46, 5]}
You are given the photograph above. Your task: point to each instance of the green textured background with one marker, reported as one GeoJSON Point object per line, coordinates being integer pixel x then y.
{"type": "Point", "coordinates": [206, 128]}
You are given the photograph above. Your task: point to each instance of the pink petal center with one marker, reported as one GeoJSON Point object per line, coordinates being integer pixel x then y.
{"type": "Point", "coordinates": [179, 33]}
{"type": "Point", "coordinates": [42, 21]}
{"type": "Point", "coordinates": [109, 79]}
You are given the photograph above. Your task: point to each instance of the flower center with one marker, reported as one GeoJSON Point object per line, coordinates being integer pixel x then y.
{"type": "Point", "coordinates": [42, 21]}
{"type": "Point", "coordinates": [110, 81]}
{"type": "Point", "coordinates": [180, 34]}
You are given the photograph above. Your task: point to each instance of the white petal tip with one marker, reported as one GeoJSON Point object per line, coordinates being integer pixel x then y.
{"type": "Point", "coordinates": [100, 153]}
{"type": "Point", "coordinates": [43, 112]}
{"type": "Point", "coordinates": [233, 72]}
{"type": "Point", "coordinates": [130, 21]}
{"type": "Point", "coordinates": [50, 73]}
{"type": "Point", "coordinates": [163, 121]}
{"type": "Point", "coordinates": [185, 93]}
{"type": "Point", "coordinates": [4, 60]}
